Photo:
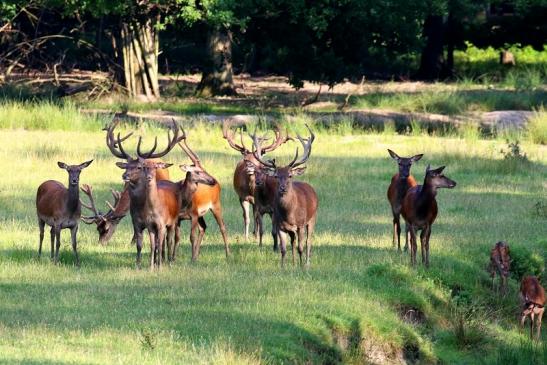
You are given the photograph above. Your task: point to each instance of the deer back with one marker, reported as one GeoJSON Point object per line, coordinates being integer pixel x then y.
{"type": "Point", "coordinates": [419, 212]}
{"type": "Point", "coordinates": [532, 291]}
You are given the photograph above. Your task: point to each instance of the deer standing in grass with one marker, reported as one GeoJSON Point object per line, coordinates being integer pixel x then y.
{"type": "Point", "coordinates": [532, 296]}
{"type": "Point", "coordinates": [295, 206]}
{"type": "Point", "coordinates": [60, 208]}
{"type": "Point", "coordinates": [500, 262]}
{"type": "Point", "coordinates": [200, 193]}
{"type": "Point", "coordinates": [154, 206]}
{"type": "Point", "coordinates": [108, 222]}
{"type": "Point", "coordinates": [400, 183]}
{"type": "Point", "coordinates": [419, 210]}
{"type": "Point", "coordinates": [244, 182]}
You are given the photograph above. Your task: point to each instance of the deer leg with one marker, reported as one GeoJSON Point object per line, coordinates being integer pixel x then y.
{"type": "Point", "coordinates": [292, 236]}
{"type": "Point", "coordinates": [538, 329]}
{"type": "Point", "coordinates": [397, 231]}
{"type": "Point", "coordinates": [57, 244]}
{"type": "Point", "coordinates": [283, 245]}
{"type": "Point", "coordinates": [152, 238]}
{"type": "Point", "coordinates": [300, 233]}
{"type": "Point", "coordinates": [427, 235]}
{"type": "Point", "coordinates": [169, 241]}
{"type": "Point", "coordinates": [255, 226]}
{"type": "Point", "coordinates": [413, 244]}
{"type": "Point", "coordinates": [52, 236]}
{"type": "Point", "coordinates": [407, 237]}
{"type": "Point", "coordinates": [160, 239]}
{"type": "Point", "coordinates": [176, 243]}
{"type": "Point", "coordinates": [259, 223]}
{"type": "Point", "coordinates": [217, 213]}
{"type": "Point", "coordinates": [245, 205]}
{"type": "Point", "coordinates": [309, 236]}
{"type": "Point", "coordinates": [41, 225]}
{"type": "Point", "coordinates": [532, 324]}
{"type": "Point", "coordinates": [73, 233]}
{"type": "Point", "coordinates": [138, 236]}
{"type": "Point", "coordinates": [193, 237]}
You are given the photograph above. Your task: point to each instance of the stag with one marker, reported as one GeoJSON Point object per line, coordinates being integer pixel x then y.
{"type": "Point", "coordinates": [500, 263]}
{"type": "Point", "coordinates": [244, 183]}
{"type": "Point", "coordinates": [295, 205]}
{"type": "Point", "coordinates": [400, 183]}
{"type": "Point", "coordinates": [419, 210]}
{"type": "Point", "coordinates": [60, 208]}
{"type": "Point", "coordinates": [154, 206]}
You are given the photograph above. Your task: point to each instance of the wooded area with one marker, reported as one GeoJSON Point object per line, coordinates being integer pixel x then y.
{"type": "Point", "coordinates": [319, 41]}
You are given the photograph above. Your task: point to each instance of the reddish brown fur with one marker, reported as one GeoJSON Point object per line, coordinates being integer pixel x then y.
{"type": "Point", "coordinates": [419, 209]}
{"type": "Point", "coordinates": [532, 296]}
{"type": "Point", "coordinates": [500, 262]}
{"type": "Point", "coordinates": [395, 193]}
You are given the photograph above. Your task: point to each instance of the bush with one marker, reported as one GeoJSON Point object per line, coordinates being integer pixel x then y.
{"type": "Point", "coordinates": [525, 262]}
{"type": "Point", "coordinates": [537, 127]}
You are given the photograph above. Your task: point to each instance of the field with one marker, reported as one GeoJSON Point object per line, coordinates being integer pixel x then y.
{"type": "Point", "coordinates": [359, 302]}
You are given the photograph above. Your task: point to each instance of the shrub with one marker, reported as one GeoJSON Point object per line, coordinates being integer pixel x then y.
{"type": "Point", "coordinates": [525, 262]}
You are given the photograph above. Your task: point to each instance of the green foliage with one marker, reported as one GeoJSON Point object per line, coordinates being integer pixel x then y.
{"type": "Point", "coordinates": [522, 353]}
{"type": "Point", "coordinates": [537, 126]}
{"type": "Point", "coordinates": [514, 152]}
{"type": "Point", "coordinates": [526, 262]}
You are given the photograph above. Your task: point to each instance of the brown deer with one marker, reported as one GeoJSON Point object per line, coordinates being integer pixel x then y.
{"type": "Point", "coordinates": [59, 208]}
{"type": "Point", "coordinates": [295, 207]}
{"type": "Point", "coordinates": [197, 199]}
{"type": "Point", "coordinates": [532, 296]}
{"type": "Point", "coordinates": [419, 210]}
{"type": "Point", "coordinates": [107, 223]}
{"type": "Point", "coordinates": [153, 205]}
{"type": "Point", "coordinates": [400, 183]}
{"type": "Point", "coordinates": [244, 183]}
{"type": "Point", "coordinates": [500, 262]}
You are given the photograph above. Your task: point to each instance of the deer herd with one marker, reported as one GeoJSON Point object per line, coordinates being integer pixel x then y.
{"type": "Point", "coordinates": [158, 205]}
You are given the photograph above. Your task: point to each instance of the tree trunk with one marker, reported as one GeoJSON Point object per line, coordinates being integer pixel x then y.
{"type": "Point", "coordinates": [451, 36]}
{"type": "Point", "coordinates": [138, 48]}
{"type": "Point", "coordinates": [432, 61]}
{"type": "Point", "coordinates": [217, 78]}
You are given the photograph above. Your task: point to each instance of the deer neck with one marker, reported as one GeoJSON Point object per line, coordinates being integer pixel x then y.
{"type": "Point", "coordinates": [151, 193]}
{"type": "Point", "coordinates": [402, 188]}
{"type": "Point", "coordinates": [73, 201]}
{"type": "Point", "coordinates": [426, 197]}
{"type": "Point", "coordinates": [287, 200]}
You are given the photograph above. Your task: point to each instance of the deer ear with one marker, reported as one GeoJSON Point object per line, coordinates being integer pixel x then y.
{"type": "Point", "coordinates": [440, 169]}
{"type": "Point", "coordinates": [268, 171]}
{"type": "Point", "coordinates": [62, 165]}
{"type": "Point", "coordinates": [298, 171]}
{"type": "Point", "coordinates": [121, 165]}
{"type": "Point", "coordinates": [393, 155]}
{"type": "Point", "coordinates": [85, 164]}
{"type": "Point", "coordinates": [417, 157]}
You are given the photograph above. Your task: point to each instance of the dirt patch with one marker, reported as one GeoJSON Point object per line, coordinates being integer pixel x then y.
{"type": "Point", "coordinates": [378, 353]}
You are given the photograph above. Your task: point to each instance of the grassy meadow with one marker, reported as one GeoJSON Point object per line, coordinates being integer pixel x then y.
{"type": "Point", "coordinates": [360, 302]}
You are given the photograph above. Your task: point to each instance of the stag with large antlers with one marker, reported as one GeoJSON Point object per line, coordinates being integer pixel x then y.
{"type": "Point", "coordinates": [60, 208]}
{"type": "Point", "coordinates": [153, 205]}
{"type": "Point", "coordinates": [244, 182]}
{"type": "Point", "coordinates": [295, 207]}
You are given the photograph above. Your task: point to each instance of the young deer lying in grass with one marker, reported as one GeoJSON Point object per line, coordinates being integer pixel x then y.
{"type": "Point", "coordinates": [400, 183]}
{"type": "Point", "coordinates": [419, 210]}
{"type": "Point", "coordinates": [295, 205]}
{"type": "Point", "coordinates": [532, 296]}
{"type": "Point", "coordinates": [59, 208]}
{"type": "Point", "coordinates": [500, 262]}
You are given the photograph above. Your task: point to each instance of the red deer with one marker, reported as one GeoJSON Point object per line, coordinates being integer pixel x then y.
{"type": "Point", "coordinates": [532, 296]}
{"type": "Point", "coordinates": [264, 197]}
{"type": "Point", "coordinates": [419, 210]}
{"type": "Point", "coordinates": [153, 205]}
{"type": "Point", "coordinates": [500, 262]}
{"type": "Point", "coordinates": [400, 183]}
{"type": "Point", "coordinates": [108, 222]}
{"type": "Point", "coordinates": [197, 199]}
{"type": "Point", "coordinates": [244, 183]}
{"type": "Point", "coordinates": [59, 208]}
{"type": "Point", "coordinates": [295, 207]}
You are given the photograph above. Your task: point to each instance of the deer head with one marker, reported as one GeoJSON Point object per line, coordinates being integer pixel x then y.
{"type": "Point", "coordinates": [404, 163]}
{"type": "Point", "coordinates": [436, 179]}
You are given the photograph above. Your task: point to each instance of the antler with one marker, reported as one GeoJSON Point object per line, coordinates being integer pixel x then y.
{"type": "Point", "coordinates": [230, 138]}
{"type": "Point", "coordinates": [115, 144]}
{"type": "Point", "coordinates": [88, 190]}
{"type": "Point", "coordinates": [171, 142]}
{"type": "Point", "coordinates": [306, 144]}
{"type": "Point", "coordinates": [117, 196]}
{"type": "Point", "coordinates": [279, 140]}
{"type": "Point", "coordinates": [191, 154]}
{"type": "Point", "coordinates": [257, 152]}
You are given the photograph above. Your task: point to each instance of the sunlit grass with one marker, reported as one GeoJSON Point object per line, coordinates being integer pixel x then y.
{"type": "Point", "coordinates": [247, 309]}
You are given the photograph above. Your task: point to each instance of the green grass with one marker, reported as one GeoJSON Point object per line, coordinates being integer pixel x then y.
{"type": "Point", "coordinates": [345, 309]}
